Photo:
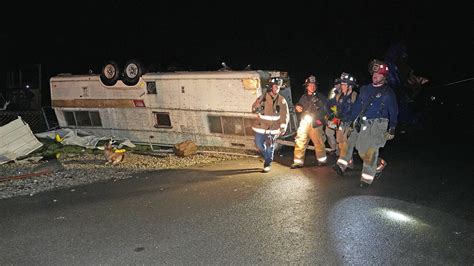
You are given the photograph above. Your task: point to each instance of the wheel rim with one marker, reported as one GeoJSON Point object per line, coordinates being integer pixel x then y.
{"type": "Point", "coordinates": [132, 71]}
{"type": "Point", "coordinates": [109, 71]}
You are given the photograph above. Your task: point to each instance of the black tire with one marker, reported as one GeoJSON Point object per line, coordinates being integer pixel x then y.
{"type": "Point", "coordinates": [110, 73]}
{"type": "Point", "coordinates": [277, 147]}
{"type": "Point", "coordinates": [132, 72]}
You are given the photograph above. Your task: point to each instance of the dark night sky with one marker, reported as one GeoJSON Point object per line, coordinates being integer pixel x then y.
{"type": "Point", "coordinates": [320, 38]}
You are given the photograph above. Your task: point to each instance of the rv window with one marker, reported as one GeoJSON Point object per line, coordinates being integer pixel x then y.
{"type": "Point", "coordinates": [233, 125]}
{"type": "Point", "coordinates": [248, 126]}
{"type": "Point", "coordinates": [215, 125]}
{"type": "Point", "coordinates": [83, 119]}
{"type": "Point", "coordinates": [151, 87]}
{"type": "Point", "coordinates": [163, 120]}
{"type": "Point", "coordinates": [250, 84]}
{"type": "Point", "coordinates": [69, 117]}
{"type": "Point", "coordinates": [95, 119]}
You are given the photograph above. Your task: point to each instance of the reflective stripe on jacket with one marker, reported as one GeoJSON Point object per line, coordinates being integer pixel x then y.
{"type": "Point", "coordinates": [273, 114]}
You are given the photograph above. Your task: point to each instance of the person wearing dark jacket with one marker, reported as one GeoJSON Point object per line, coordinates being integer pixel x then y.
{"type": "Point", "coordinates": [313, 107]}
{"type": "Point", "coordinates": [343, 101]}
{"type": "Point", "coordinates": [375, 118]}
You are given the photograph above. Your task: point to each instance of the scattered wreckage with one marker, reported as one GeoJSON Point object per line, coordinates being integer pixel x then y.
{"type": "Point", "coordinates": [172, 109]}
{"type": "Point", "coordinates": [17, 140]}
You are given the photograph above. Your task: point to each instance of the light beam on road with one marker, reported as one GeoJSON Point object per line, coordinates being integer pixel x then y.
{"type": "Point", "coordinates": [397, 216]}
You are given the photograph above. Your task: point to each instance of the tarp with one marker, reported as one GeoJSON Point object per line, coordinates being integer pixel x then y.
{"type": "Point", "coordinates": [17, 140]}
{"type": "Point", "coordinates": [78, 137]}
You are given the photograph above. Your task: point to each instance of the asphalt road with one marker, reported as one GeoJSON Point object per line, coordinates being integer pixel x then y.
{"type": "Point", "coordinates": [419, 212]}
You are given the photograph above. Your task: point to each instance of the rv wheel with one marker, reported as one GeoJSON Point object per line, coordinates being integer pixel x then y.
{"type": "Point", "coordinates": [132, 72]}
{"type": "Point", "coordinates": [110, 73]}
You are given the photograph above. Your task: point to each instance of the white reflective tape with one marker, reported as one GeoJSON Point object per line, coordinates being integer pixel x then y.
{"type": "Point", "coordinates": [263, 131]}
{"type": "Point", "coordinates": [308, 118]}
{"type": "Point", "coordinates": [322, 160]}
{"type": "Point", "coordinates": [367, 177]}
{"type": "Point", "coordinates": [341, 161]}
{"type": "Point", "coordinates": [269, 117]}
{"type": "Point", "coordinates": [364, 127]}
{"type": "Point", "coordinates": [283, 125]}
{"type": "Point", "coordinates": [259, 130]}
{"type": "Point", "coordinates": [298, 161]}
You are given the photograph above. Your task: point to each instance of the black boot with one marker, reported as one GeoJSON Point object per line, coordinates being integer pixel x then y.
{"type": "Point", "coordinates": [338, 170]}
{"type": "Point", "coordinates": [377, 175]}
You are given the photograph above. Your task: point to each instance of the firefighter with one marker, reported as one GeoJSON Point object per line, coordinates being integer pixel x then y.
{"type": "Point", "coordinates": [313, 109]}
{"type": "Point", "coordinates": [273, 118]}
{"type": "Point", "coordinates": [333, 119]}
{"type": "Point", "coordinates": [344, 99]}
{"type": "Point", "coordinates": [374, 117]}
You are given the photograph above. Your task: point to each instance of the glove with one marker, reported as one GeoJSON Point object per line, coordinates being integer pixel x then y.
{"type": "Point", "coordinates": [390, 134]}
{"type": "Point", "coordinates": [298, 108]}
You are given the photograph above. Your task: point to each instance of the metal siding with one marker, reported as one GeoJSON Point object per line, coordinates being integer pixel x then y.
{"type": "Point", "coordinates": [16, 140]}
{"type": "Point", "coordinates": [64, 90]}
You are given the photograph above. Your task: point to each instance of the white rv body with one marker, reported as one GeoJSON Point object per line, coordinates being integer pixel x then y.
{"type": "Point", "coordinates": [209, 108]}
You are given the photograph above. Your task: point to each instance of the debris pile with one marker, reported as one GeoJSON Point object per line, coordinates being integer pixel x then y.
{"type": "Point", "coordinates": [79, 169]}
{"type": "Point", "coordinates": [67, 158]}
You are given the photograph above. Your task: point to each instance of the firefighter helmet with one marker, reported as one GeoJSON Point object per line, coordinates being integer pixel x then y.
{"type": "Point", "coordinates": [378, 66]}
{"type": "Point", "coordinates": [273, 81]}
{"type": "Point", "coordinates": [310, 79]}
{"type": "Point", "coordinates": [348, 79]}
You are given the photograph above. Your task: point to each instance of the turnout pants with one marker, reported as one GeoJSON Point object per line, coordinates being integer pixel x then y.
{"type": "Point", "coordinates": [304, 134]}
{"type": "Point", "coordinates": [330, 132]}
{"type": "Point", "coordinates": [346, 140]}
{"type": "Point", "coordinates": [369, 140]}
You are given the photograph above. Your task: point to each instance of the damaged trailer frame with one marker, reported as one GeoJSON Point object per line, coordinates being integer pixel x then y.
{"type": "Point", "coordinates": [211, 108]}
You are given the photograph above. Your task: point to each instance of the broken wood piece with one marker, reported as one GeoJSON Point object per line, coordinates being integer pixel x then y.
{"type": "Point", "coordinates": [185, 148]}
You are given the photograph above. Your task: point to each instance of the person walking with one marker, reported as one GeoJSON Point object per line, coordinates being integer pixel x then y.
{"type": "Point", "coordinates": [272, 121]}
{"type": "Point", "coordinates": [374, 117]}
{"type": "Point", "coordinates": [313, 107]}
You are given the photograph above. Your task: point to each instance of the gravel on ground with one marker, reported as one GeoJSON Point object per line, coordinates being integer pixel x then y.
{"type": "Point", "coordinates": [80, 169]}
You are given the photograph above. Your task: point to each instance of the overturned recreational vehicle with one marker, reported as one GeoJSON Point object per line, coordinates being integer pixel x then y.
{"type": "Point", "coordinates": [210, 108]}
